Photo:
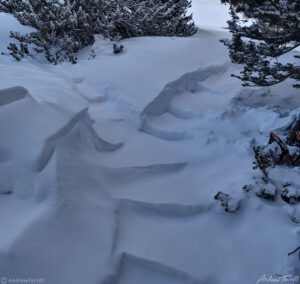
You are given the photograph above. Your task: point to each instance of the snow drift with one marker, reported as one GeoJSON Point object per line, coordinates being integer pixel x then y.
{"type": "Point", "coordinates": [109, 168]}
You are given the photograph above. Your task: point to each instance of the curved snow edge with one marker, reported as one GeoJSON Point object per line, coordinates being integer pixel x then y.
{"type": "Point", "coordinates": [13, 94]}
{"type": "Point", "coordinates": [128, 258]}
{"type": "Point", "coordinates": [50, 143]}
{"type": "Point", "coordinates": [169, 208]}
{"type": "Point", "coordinates": [189, 82]}
{"type": "Point", "coordinates": [186, 83]}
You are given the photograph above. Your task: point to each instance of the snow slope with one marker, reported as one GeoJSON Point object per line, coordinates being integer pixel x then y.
{"type": "Point", "coordinates": [109, 168]}
{"type": "Point", "coordinates": [210, 13]}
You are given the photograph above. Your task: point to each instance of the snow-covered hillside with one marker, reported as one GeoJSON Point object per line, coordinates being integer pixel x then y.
{"type": "Point", "coordinates": [109, 168]}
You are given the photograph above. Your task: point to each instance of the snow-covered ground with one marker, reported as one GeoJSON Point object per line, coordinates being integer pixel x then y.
{"type": "Point", "coordinates": [210, 13]}
{"type": "Point", "coordinates": [109, 168]}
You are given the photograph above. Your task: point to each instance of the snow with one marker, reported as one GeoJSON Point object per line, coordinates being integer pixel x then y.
{"type": "Point", "coordinates": [210, 13]}
{"type": "Point", "coordinates": [109, 168]}
{"type": "Point", "coordinates": [7, 24]}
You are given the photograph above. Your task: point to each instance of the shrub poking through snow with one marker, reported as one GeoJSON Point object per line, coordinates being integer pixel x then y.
{"type": "Point", "coordinates": [263, 161]}
{"type": "Point", "coordinates": [290, 195]}
{"type": "Point", "coordinates": [282, 155]}
{"type": "Point", "coordinates": [293, 213]}
{"type": "Point", "coordinates": [118, 48]}
{"type": "Point", "coordinates": [248, 188]}
{"type": "Point", "coordinates": [266, 191]}
{"type": "Point", "coordinates": [262, 189]}
{"type": "Point", "coordinates": [230, 205]}
{"type": "Point", "coordinates": [63, 27]}
{"type": "Point", "coordinates": [262, 32]}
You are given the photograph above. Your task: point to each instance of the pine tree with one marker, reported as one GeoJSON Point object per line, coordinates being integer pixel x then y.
{"type": "Point", "coordinates": [159, 18]}
{"type": "Point", "coordinates": [63, 27]}
{"type": "Point", "coordinates": [264, 31]}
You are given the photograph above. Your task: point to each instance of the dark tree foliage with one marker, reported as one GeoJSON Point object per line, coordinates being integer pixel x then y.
{"type": "Point", "coordinates": [262, 32]}
{"type": "Point", "coordinates": [63, 27]}
{"type": "Point", "coordinates": [159, 18]}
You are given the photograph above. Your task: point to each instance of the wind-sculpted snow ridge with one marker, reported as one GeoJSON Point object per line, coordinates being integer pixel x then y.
{"type": "Point", "coordinates": [189, 83]}
{"type": "Point", "coordinates": [169, 208]}
{"type": "Point", "coordinates": [127, 174]}
{"type": "Point", "coordinates": [89, 93]}
{"type": "Point", "coordinates": [25, 125]}
{"type": "Point", "coordinates": [83, 121]}
{"type": "Point", "coordinates": [159, 132]}
{"type": "Point", "coordinates": [204, 244]}
{"type": "Point", "coordinates": [162, 209]}
{"type": "Point", "coordinates": [13, 94]}
{"type": "Point", "coordinates": [132, 269]}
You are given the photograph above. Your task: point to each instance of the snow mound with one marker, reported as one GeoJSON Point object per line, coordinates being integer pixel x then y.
{"type": "Point", "coordinates": [27, 127]}
{"type": "Point", "coordinates": [194, 105]}
{"type": "Point", "coordinates": [184, 98]}
{"type": "Point", "coordinates": [89, 93]}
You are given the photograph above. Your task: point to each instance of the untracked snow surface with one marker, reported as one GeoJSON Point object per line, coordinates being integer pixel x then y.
{"type": "Point", "coordinates": [109, 168]}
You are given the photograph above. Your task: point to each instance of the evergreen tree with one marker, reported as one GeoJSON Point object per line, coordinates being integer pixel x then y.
{"type": "Point", "coordinates": [262, 32]}
{"type": "Point", "coordinates": [63, 27]}
{"type": "Point", "coordinates": [160, 18]}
